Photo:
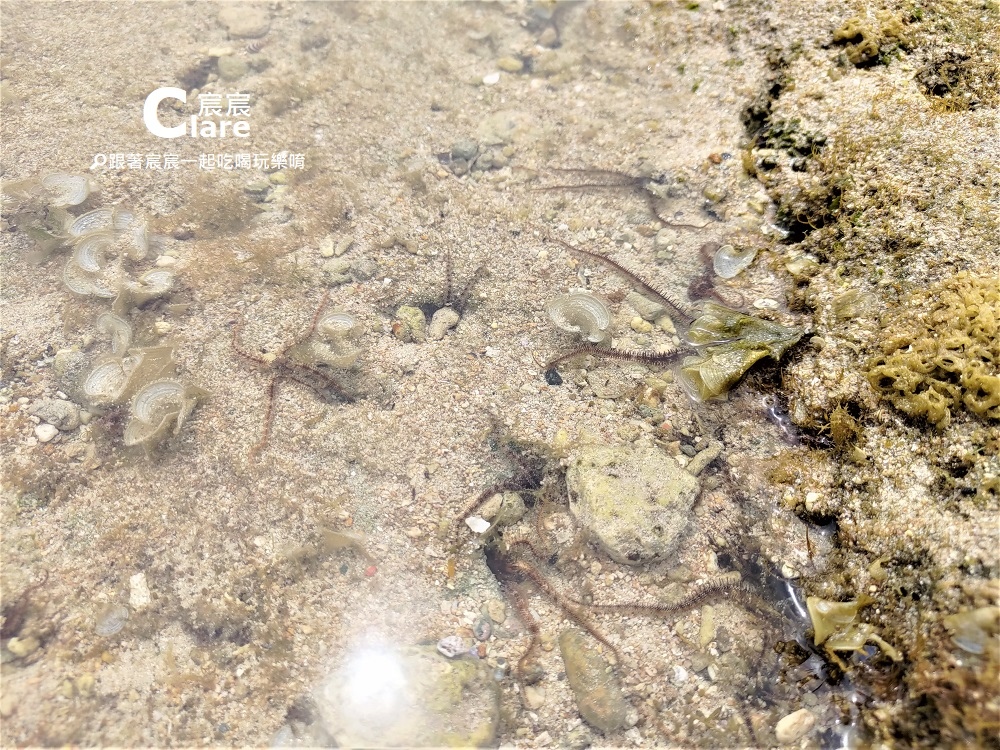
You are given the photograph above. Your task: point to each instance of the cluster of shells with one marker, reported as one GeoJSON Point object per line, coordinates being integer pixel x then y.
{"type": "Point", "coordinates": [105, 243]}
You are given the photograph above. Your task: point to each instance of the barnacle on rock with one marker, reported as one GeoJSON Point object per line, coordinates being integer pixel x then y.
{"type": "Point", "coordinates": [583, 313]}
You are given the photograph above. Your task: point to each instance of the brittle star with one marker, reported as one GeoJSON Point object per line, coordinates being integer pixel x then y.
{"type": "Point", "coordinates": [620, 181]}
{"type": "Point", "coordinates": [287, 367]}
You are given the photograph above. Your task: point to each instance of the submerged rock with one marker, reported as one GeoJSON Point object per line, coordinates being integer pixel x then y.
{"type": "Point", "coordinates": [634, 501]}
{"type": "Point", "coordinates": [409, 697]}
{"type": "Point", "coordinates": [597, 691]}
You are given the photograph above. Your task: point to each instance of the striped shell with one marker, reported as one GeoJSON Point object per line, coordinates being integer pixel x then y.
{"type": "Point", "coordinates": [90, 249]}
{"type": "Point", "coordinates": [106, 382]}
{"type": "Point", "coordinates": [583, 313]}
{"type": "Point", "coordinates": [88, 284]}
{"type": "Point", "coordinates": [67, 189]}
{"type": "Point", "coordinates": [120, 331]}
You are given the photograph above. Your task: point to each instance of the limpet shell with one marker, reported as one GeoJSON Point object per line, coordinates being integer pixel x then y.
{"type": "Point", "coordinates": [87, 284]}
{"type": "Point", "coordinates": [105, 383]}
{"type": "Point", "coordinates": [93, 221]}
{"type": "Point", "coordinates": [729, 261]}
{"type": "Point", "coordinates": [67, 189]}
{"type": "Point", "coordinates": [583, 313]}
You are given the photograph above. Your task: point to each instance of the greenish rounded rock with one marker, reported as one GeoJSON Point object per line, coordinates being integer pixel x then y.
{"type": "Point", "coordinates": [232, 68]}
{"type": "Point", "coordinates": [598, 693]}
{"type": "Point", "coordinates": [635, 501]}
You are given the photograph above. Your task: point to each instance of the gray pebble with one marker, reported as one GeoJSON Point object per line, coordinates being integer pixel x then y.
{"type": "Point", "coordinates": [465, 150]}
{"type": "Point", "coordinates": [63, 415]}
{"type": "Point", "coordinates": [452, 646]}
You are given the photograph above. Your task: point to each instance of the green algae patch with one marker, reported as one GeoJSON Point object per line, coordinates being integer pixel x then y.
{"type": "Point", "coordinates": [941, 351]}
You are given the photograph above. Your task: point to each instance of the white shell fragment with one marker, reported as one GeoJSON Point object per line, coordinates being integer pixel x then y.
{"type": "Point", "coordinates": [583, 313]}
{"type": "Point", "coordinates": [138, 596]}
{"type": "Point", "coordinates": [452, 646]}
{"type": "Point", "coordinates": [477, 524]}
{"type": "Point", "coordinates": [67, 189]}
{"type": "Point", "coordinates": [730, 261]}
{"type": "Point", "coordinates": [110, 620]}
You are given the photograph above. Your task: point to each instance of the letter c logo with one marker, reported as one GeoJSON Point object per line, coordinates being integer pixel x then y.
{"type": "Point", "coordinates": [150, 117]}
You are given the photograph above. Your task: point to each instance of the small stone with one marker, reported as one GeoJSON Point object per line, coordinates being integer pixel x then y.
{"type": "Point", "coordinates": [497, 610]}
{"type": "Point", "coordinates": [343, 246]}
{"type": "Point", "coordinates": [442, 321]}
{"type": "Point", "coordinates": [245, 21]}
{"type": "Point", "coordinates": [795, 726]}
{"type": "Point", "coordinates": [63, 415]}
{"type": "Point", "coordinates": [45, 432]}
{"type": "Point", "coordinates": [410, 324]}
{"type": "Point", "coordinates": [639, 325]}
{"type": "Point", "coordinates": [646, 308]}
{"type": "Point", "coordinates": [705, 457]}
{"type": "Point", "coordinates": [220, 51]}
{"type": "Point", "coordinates": [452, 646]}
{"type": "Point", "coordinates": [22, 647]}
{"type": "Point", "coordinates": [597, 691]}
{"type": "Point", "coordinates": [510, 64]}
{"type": "Point", "coordinates": [464, 150]}
{"type": "Point", "coordinates": [162, 328]}
{"type": "Point", "coordinates": [232, 68]}
{"type": "Point", "coordinates": [534, 697]}
{"type": "Point", "coordinates": [165, 261]}
{"type": "Point", "coordinates": [326, 247]}
{"type": "Point", "coordinates": [482, 628]}
{"type": "Point", "coordinates": [549, 37]}
{"type": "Point", "coordinates": [491, 79]}
{"type": "Point", "coordinates": [85, 684]}
{"type": "Point", "coordinates": [634, 501]}
{"type": "Point", "coordinates": [139, 596]}
{"type": "Point", "coordinates": [8, 703]}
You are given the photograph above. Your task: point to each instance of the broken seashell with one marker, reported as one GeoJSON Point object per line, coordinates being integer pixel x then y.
{"type": "Point", "coordinates": [729, 261]}
{"type": "Point", "coordinates": [120, 331]}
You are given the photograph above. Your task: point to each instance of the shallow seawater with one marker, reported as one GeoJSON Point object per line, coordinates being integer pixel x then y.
{"type": "Point", "coordinates": [294, 454]}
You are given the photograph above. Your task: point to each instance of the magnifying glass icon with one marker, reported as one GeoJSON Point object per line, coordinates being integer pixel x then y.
{"type": "Point", "coordinates": [100, 160]}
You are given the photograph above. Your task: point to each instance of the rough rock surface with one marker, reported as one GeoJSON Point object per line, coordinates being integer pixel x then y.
{"type": "Point", "coordinates": [635, 501]}
{"type": "Point", "coordinates": [596, 690]}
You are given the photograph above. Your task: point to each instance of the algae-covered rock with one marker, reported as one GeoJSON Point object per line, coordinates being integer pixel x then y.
{"type": "Point", "coordinates": [597, 691]}
{"type": "Point", "coordinates": [941, 351]}
{"type": "Point", "coordinates": [634, 501]}
{"type": "Point", "coordinates": [409, 697]}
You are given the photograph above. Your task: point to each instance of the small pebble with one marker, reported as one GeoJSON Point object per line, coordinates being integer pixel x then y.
{"type": "Point", "coordinates": [371, 570]}
{"type": "Point", "coordinates": [326, 247]}
{"type": "Point", "coordinates": [162, 328]}
{"type": "Point", "coordinates": [510, 64]}
{"type": "Point", "coordinates": [534, 697]}
{"type": "Point", "coordinates": [491, 79]}
{"type": "Point", "coordinates": [482, 629]}
{"type": "Point", "coordinates": [45, 432]}
{"type": "Point", "coordinates": [795, 726]}
{"type": "Point", "coordinates": [165, 261]}
{"type": "Point", "coordinates": [22, 647]}
{"type": "Point", "coordinates": [139, 596]}
{"type": "Point", "coordinates": [452, 646]}
{"type": "Point", "coordinates": [497, 610]}
{"type": "Point", "coordinates": [85, 684]}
